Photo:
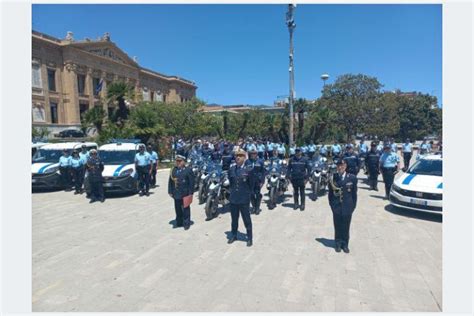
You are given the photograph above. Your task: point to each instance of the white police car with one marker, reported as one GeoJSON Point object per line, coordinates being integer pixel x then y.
{"type": "Point", "coordinates": [45, 165]}
{"type": "Point", "coordinates": [421, 186]}
{"type": "Point", "coordinates": [119, 166]}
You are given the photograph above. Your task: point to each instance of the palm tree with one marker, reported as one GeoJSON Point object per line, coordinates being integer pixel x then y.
{"type": "Point", "coordinates": [120, 92]}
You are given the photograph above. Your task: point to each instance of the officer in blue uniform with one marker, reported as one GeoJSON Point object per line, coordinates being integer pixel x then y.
{"type": "Point", "coordinates": [143, 166]}
{"type": "Point", "coordinates": [261, 149]}
{"type": "Point", "coordinates": [379, 147]}
{"type": "Point", "coordinates": [311, 149]}
{"type": "Point", "coordinates": [206, 151]}
{"type": "Point", "coordinates": [323, 150]}
{"type": "Point", "coordinates": [76, 170]}
{"type": "Point", "coordinates": [258, 168]}
{"type": "Point", "coordinates": [227, 157]}
{"type": "Point", "coordinates": [407, 150]}
{"type": "Point", "coordinates": [343, 200]}
{"type": "Point", "coordinates": [65, 169]}
{"type": "Point", "coordinates": [372, 162]}
{"type": "Point", "coordinates": [242, 184]}
{"type": "Point", "coordinates": [336, 150]}
{"type": "Point", "coordinates": [281, 151]}
{"type": "Point", "coordinates": [393, 145]}
{"type": "Point", "coordinates": [389, 164]}
{"type": "Point", "coordinates": [424, 147]}
{"type": "Point", "coordinates": [94, 169]}
{"type": "Point", "coordinates": [298, 173]}
{"type": "Point", "coordinates": [363, 150]}
{"type": "Point", "coordinates": [292, 151]}
{"type": "Point", "coordinates": [216, 155]}
{"type": "Point", "coordinates": [270, 147]}
{"type": "Point", "coordinates": [180, 185]}
{"type": "Point", "coordinates": [154, 165]}
{"type": "Point", "coordinates": [83, 156]}
{"type": "Point", "coordinates": [352, 161]}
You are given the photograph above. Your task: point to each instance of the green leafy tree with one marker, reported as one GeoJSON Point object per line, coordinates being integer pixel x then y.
{"type": "Point", "coordinates": [118, 93]}
{"type": "Point", "coordinates": [94, 117]}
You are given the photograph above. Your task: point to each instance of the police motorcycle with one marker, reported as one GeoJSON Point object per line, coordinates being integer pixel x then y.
{"type": "Point", "coordinates": [195, 161]}
{"type": "Point", "coordinates": [218, 191]}
{"type": "Point", "coordinates": [204, 172]}
{"type": "Point", "coordinates": [318, 177]}
{"type": "Point", "coordinates": [277, 183]}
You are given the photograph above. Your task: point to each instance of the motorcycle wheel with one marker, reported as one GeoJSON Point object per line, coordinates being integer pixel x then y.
{"type": "Point", "coordinates": [201, 194]}
{"type": "Point", "coordinates": [272, 195]}
{"type": "Point", "coordinates": [210, 208]}
{"type": "Point", "coordinates": [314, 190]}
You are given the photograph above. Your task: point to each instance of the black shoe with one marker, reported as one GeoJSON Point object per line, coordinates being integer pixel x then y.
{"type": "Point", "coordinates": [249, 243]}
{"type": "Point", "coordinates": [102, 200]}
{"type": "Point", "coordinates": [338, 248]}
{"type": "Point", "coordinates": [345, 249]}
{"type": "Point", "coordinates": [140, 193]}
{"type": "Point", "coordinates": [76, 192]}
{"type": "Point", "coordinates": [92, 201]}
{"type": "Point", "coordinates": [232, 239]}
{"type": "Point", "coordinates": [302, 207]}
{"type": "Point", "coordinates": [295, 207]}
{"type": "Point", "coordinates": [376, 189]}
{"type": "Point", "coordinates": [186, 227]}
{"type": "Point", "coordinates": [147, 193]}
{"type": "Point", "coordinates": [257, 211]}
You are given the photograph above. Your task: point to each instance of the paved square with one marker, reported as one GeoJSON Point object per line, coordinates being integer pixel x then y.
{"type": "Point", "coordinates": [124, 256]}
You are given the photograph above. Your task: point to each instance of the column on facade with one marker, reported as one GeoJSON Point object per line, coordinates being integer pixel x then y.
{"type": "Point", "coordinates": [103, 92]}
{"type": "Point", "coordinates": [71, 94]}
{"type": "Point", "coordinates": [90, 86]}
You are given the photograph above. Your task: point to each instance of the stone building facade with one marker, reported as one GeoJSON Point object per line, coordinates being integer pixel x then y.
{"type": "Point", "coordinates": [69, 77]}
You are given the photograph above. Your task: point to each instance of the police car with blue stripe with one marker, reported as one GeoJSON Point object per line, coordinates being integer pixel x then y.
{"type": "Point", "coordinates": [421, 186]}
{"type": "Point", "coordinates": [119, 166]}
{"type": "Point", "coordinates": [45, 166]}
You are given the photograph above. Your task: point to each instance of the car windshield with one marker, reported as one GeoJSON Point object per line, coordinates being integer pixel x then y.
{"type": "Point", "coordinates": [118, 157]}
{"type": "Point", "coordinates": [47, 155]}
{"type": "Point", "coordinates": [427, 167]}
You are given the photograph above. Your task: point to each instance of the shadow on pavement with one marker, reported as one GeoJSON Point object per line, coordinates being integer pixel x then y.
{"type": "Point", "coordinates": [433, 217]}
{"type": "Point", "coordinates": [382, 197]}
{"type": "Point", "coordinates": [173, 224]}
{"type": "Point", "coordinates": [240, 236]}
{"type": "Point", "coordinates": [330, 243]}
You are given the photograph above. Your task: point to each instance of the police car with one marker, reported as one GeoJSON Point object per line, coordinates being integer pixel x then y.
{"type": "Point", "coordinates": [119, 166]}
{"type": "Point", "coordinates": [35, 146]}
{"type": "Point", "coordinates": [421, 187]}
{"type": "Point", "coordinates": [45, 166]}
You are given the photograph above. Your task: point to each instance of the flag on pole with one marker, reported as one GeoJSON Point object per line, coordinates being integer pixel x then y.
{"type": "Point", "coordinates": [99, 86]}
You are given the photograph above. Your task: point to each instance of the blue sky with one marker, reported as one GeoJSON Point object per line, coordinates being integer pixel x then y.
{"type": "Point", "coordinates": [238, 54]}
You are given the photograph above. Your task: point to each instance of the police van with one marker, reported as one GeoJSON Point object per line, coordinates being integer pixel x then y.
{"type": "Point", "coordinates": [420, 188]}
{"type": "Point", "coordinates": [45, 165]}
{"type": "Point", "coordinates": [119, 166]}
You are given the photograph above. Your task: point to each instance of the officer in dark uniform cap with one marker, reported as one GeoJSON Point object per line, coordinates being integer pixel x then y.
{"type": "Point", "coordinates": [389, 164]}
{"type": "Point", "coordinates": [352, 160]}
{"type": "Point", "coordinates": [298, 172]}
{"type": "Point", "coordinates": [343, 200]}
{"type": "Point", "coordinates": [180, 185]}
{"type": "Point", "coordinates": [372, 162]}
{"type": "Point", "coordinates": [94, 170]}
{"type": "Point", "coordinates": [242, 184]}
{"type": "Point", "coordinates": [227, 157]}
{"type": "Point", "coordinates": [258, 167]}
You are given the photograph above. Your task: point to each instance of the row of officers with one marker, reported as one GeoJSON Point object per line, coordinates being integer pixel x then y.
{"type": "Point", "coordinates": [246, 179]}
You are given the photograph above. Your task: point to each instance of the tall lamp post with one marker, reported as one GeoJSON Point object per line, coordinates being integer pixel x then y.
{"type": "Point", "coordinates": [324, 77]}
{"type": "Point", "coordinates": [291, 26]}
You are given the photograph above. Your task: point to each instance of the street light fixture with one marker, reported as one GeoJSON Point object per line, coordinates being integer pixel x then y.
{"type": "Point", "coordinates": [324, 77]}
{"type": "Point", "coordinates": [291, 26]}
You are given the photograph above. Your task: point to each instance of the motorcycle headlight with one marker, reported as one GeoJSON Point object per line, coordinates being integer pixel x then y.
{"type": "Point", "coordinates": [51, 170]}
{"type": "Point", "coordinates": [226, 182]}
{"type": "Point", "coordinates": [127, 172]}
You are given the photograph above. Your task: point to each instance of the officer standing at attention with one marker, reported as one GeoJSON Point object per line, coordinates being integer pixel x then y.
{"type": "Point", "coordinates": [227, 157]}
{"type": "Point", "coordinates": [343, 200]}
{"type": "Point", "coordinates": [65, 169]}
{"type": "Point", "coordinates": [269, 150]}
{"type": "Point", "coordinates": [424, 147]}
{"type": "Point", "coordinates": [363, 149]}
{"type": "Point", "coordinates": [260, 149]}
{"type": "Point", "coordinates": [372, 162]}
{"type": "Point", "coordinates": [407, 150]}
{"type": "Point", "coordinates": [352, 161]}
{"type": "Point", "coordinates": [258, 168]}
{"type": "Point", "coordinates": [323, 151]}
{"type": "Point", "coordinates": [206, 151]}
{"type": "Point", "coordinates": [298, 173]}
{"type": "Point", "coordinates": [154, 165]}
{"type": "Point", "coordinates": [84, 156]}
{"type": "Point", "coordinates": [95, 167]}
{"type": "Point", "coordinates": [389, 164]}
{"type": "Point", "coordinates": [143, 166]}
{"type": "Point", "coordinates": [281, 151]}
{"type": "Point", "coordinates": [379, 147]}
{"type": "Point", "coordinates": [181, 185]}
{"type": "Point", "coordinates": [216, 155]}
{"type": "Point", "coordinates": [76, 170]}
{"type": "Point", "coordinates": [242, 183]}
{"type": "Point", "coordinates": [292, 151]}
{"type": "Point", "coordinates": [393, 145]}
{"type": "Point", "coordinates": [311, 149]}
{"type": "Point", "coordinates": [335, 150]}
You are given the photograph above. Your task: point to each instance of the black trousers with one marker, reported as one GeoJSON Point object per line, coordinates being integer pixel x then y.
{"type": "Point", "coordinates": [342, 225]}
{"type": "Point", "coordinates": [388, 177]}
{"type": "Point", "coordinates": [97, 189]}
{"type": "Point", "coordinates": [65, 175]}
{"type": "Point", "coordinates": [373, 178]}
{"type": "Point", "coordinates": [406, 160]}
{"type": "Point", "coordinates": [235, 211]}
{"type": "Point", "coordinates": [281, 156]}
{"type": "Point", "coordinates": [143, 178]}
{"type": "Point", "coordinates": [298, 190]}
{"type": "Point", "coordinates": [261, 154]}
{"type": "Point", "coordinates": [183, 214]}
{"type": "Point", "coordinates": [78, 176]}
{"type": "Point", "coordinates": [256, 197]}
{"type": "Point", "coordinates": [269, 154]}
{"type": "Point", "coordinates": [153, 175]}
{"type": "Point", "coordinates": [310, 154]}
